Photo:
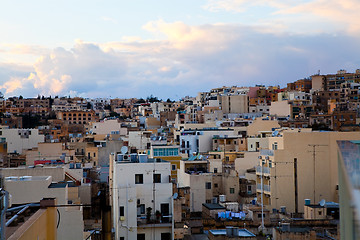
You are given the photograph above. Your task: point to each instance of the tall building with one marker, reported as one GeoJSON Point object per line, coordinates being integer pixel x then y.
{"type": "Point", "coordinates": [349, 186]}
{"type": "Point", "coordinates": [299, 164]}
{"type": "Point", "coordinates": [141, 197]}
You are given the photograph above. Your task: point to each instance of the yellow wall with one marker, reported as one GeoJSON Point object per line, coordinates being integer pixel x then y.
{"type": "Point", "coordinates": [173, 160]}
{"type": "Point", "coordinates": [41, 226]}
{"type": "Point", "coordinates": [296, 145]}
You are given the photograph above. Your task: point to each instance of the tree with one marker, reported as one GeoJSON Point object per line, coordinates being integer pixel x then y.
{"type": "Point", "coordinates": [152, 99]}
{"type": "Point", "coordinates": [107, 107]}
{"type": "Point", "coordinates": [88, 105]}
{"type": "Point", "coordinates": [141, 100]}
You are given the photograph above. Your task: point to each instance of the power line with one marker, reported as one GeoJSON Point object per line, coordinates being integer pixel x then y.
{"type": "Point", "coordinates": [314, 162]}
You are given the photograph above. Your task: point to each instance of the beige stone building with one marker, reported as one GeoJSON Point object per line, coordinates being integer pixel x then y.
{"type": "Point", "coordinates": [300, 165]}
{"type": "Point", "coordinates": [234, 103]}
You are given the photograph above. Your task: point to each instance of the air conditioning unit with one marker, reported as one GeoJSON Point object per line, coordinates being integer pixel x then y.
{"type": "Point", "coordinates": [119, 157]}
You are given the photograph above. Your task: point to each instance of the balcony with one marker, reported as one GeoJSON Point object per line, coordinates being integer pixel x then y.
{"type": "Point", "coordinates": [266, 171]}
{"type": "Point", "coordinates": [154, 220]}
{"type": "Point", "coordinates": [267, 152]}
{"type": "Point", "coordinates": [266, 188]}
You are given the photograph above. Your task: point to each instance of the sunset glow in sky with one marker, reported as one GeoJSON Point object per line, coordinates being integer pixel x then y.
{"type": "Point", "coordinates": [170, 49]}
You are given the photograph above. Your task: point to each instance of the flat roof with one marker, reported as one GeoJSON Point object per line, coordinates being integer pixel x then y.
{"type": "Point", "coordinates": [213, 206]}
{"type": "Point", "coordinates": [27, 178]}
{"type": "Point", "coordinates": [242, 232]}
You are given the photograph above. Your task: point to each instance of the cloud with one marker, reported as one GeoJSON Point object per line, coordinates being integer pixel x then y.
{"type": "Point", "coordinates": [243, 5]}
{"type": "Point", "coordinates": [109, 19]}
{"type": "Point", "coordinates": [326, 16]}
{"type": "Point", "coordinates": [182, 60]}
{"type": "Point", "coordinates": [23, 49]}
{"type": "Point", "coordinates": [344, 14]}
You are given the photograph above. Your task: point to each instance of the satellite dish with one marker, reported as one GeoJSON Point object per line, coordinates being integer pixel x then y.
{"type": "Point", "coordinates": [322, 202]}
{"type": "Point", "coordinates": [124, 149]}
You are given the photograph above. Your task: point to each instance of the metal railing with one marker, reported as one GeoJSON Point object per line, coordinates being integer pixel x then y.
{"type": "Point", "coordinates": [266, 188]}
{"type": "Point", "coordinates": [265, 170]}
{"type": "Point", "coordinates": [153, 219]}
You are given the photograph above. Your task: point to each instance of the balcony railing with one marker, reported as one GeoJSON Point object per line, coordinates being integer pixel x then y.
{"type": "Point", "coordinates": [154, 219]}
{"type": "Point", "coordinates": [267, 152]}
{"type": "Point", "coordinates": [259, 169]}
{"type": "Point", "coordinates": [266, 188]}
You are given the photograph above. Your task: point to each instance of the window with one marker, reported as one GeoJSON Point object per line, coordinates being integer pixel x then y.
{"type": "Point", "coordinates": [208, 201]}
{"type": "Point", "coordinates": [140, 209]}
{"type": "Point", "coordinates": [249, 188]}
{"type": "Point", "coordinates": [275, 146]}
{"type": "Point", "coordinates": [121, 211]}
{"type": "Point", "coordinates": [139, 179]}
{"type": "Point", "coordinates": [157, 178]}
{"type": "Point", "coordinates": [140, 236]}
{"type": "Point", "coordinates": [215, 170]}
{"type": "Point", "coordinates": [122, 238]}
{"type": "Point", "coordinates": [215, 185]}
{"type": "Point", "coordinates": [165, 236]}
{"type": "Point", "coordinates": [208, 185]}
{"type": "Point", "coordinates": [259, 215]}
{"type": "Point", "coordinates": [173, 167]}
{"type": "Point", "coordinates": [232, 190]}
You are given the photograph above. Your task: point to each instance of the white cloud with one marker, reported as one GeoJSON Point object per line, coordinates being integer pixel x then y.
{"type": "Point", "coordinates": [185, 60]}
{"type": "Point", "coordinates": [326, 16]}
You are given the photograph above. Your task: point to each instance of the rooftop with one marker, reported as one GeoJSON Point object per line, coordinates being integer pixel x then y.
{"type": "Point", "coordinates": [242, 232]}
{"type": "Point", "coordinates": [213, 206]}
{"type": "Point", "coordinates": [27, 178]}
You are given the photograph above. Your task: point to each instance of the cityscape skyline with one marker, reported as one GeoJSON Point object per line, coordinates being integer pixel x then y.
{"type": "Point", "coordinates": [170, 49]}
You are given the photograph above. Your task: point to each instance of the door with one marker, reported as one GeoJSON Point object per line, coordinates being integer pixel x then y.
{"type": "Point", "coordinates": [165, 212]}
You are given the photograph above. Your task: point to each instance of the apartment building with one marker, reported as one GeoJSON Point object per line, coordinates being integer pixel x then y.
{"type": "Point", "coordinates": [107, 126]}
{"type": "Point", "coordinates": [77, 117]}
{"type": "Point", "coordinates": [47, 153]}
{"type": "Point", "coordinates": [141, 197]}
{"type": "Point", "coordinates": [19, 140]}
{"type": "Point", "coordinates": [70, 223]}
{"type": "Point", "coordinates": [334, 81]}
{"type": "Point", "coordinates": [301, 162]}
{"type": "Point", "coordinates": [303, 85]}
{"type": "Point", "coordinates": [170, 153]}
{"type": "Point", "coordinates": [200, 140]}
{"type": "Point", "coordinates": [234, 103]}
{"type": "Point", "coordinates": [349, 173]}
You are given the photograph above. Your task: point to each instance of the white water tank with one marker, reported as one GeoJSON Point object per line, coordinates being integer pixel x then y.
{"type": "Point", "coordinates": [222, 198]}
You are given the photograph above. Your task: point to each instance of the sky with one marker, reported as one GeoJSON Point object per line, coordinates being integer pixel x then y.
{"type": "Point", "coordinates": [170, 49]}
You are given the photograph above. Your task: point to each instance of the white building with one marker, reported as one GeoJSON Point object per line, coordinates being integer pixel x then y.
{"type": "Point", "coordinates": [140, 139]}
{"type": "Point", "coordinates": [141, 198]}
{"type": "Point", "coordinates": [107, 126]}
{"type": "Point", "coordinates": [20, 139]}
{"type": "Point", "coordinates": [200, 141]}
{"type": "Point", "coordinates": [31, 189]}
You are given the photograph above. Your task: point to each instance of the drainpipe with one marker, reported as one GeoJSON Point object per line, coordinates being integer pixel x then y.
{"type": "Point", "coordinates": [5, 198]}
